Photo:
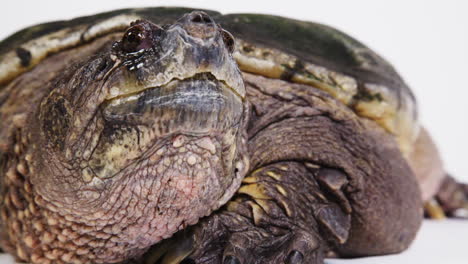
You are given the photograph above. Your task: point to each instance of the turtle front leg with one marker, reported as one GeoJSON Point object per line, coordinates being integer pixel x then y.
{"type": "Point", "coordinates": [298, 212]}
{"type": "Point", "coordinates": [325, 182]}
{"type": "Point", "coordinates": [281, 214]}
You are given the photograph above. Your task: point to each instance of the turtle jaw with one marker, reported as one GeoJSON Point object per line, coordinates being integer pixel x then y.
{"type": "Point", "coordinates": [199, 89]}
{"type": "Point", "coordinates": [197, 105]}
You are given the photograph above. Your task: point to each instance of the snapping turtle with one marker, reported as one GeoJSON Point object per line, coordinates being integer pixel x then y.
{"type": "Point", "coordinates": [167, 135]}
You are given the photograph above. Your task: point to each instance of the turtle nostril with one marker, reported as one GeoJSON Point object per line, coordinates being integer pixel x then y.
{"type": "Point", "coordinates": [198, 24]}
{"type": "Point", "coordinates": [201, 18]}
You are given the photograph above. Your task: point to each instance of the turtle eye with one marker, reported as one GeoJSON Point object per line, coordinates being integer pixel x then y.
{"type": "Point", "coordinates": [141, 35]}
{"type": "Point", "coordinates": [133, 39]}
{"type": "Point", "coordinates": [228, 40]}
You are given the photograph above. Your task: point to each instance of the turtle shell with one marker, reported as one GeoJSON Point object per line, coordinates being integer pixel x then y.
{"type": "Point", "coordinates": [272, 46]}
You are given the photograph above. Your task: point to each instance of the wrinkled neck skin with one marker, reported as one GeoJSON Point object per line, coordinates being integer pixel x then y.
{"type": "Point", "coordinates": [180, 178]}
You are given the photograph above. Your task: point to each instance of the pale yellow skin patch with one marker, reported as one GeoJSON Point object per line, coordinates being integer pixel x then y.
{"type": "Point", "coordinates": [256, 191]}
{"type": "Point", "coordinates": [281, 190]}
{"type": "Point", "coordinates": [273, 175]}
{"type": "Point", "coordinates": [382, 106]}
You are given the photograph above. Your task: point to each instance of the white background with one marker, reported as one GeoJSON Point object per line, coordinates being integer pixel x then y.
{"type": "Point", "coordinates": [426, 41]}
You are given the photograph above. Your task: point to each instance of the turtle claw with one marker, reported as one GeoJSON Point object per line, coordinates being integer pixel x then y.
{"type": "Point", "coordinates": [434, 210]}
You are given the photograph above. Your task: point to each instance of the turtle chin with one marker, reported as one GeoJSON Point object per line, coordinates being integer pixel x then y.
{"type": "Point", "coordinates": [176, 151]}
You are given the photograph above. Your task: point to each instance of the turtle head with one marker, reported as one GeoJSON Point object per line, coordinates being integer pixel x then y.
{"type": "Point", "coordinates": [176, 83]}
{"type": "Point", "coordinates": [151, 131]}
{"type": "Point", "coordinates": [194, 47]}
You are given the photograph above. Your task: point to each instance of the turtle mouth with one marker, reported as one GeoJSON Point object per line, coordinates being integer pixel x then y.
{"type": "Point", "coordinates": [201, 76]}
{"type": "Point", "coordinates": [197, 104]}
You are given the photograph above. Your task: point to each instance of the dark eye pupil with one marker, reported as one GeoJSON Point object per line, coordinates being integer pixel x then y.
{"type": "Point", "coordinates": [132, 37]}
{"type": "Point", "coordinates": [132, 40]}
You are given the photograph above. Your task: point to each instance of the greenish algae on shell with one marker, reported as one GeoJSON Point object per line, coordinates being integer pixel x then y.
{"type": "Point", "coordinates": [272, 46]}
